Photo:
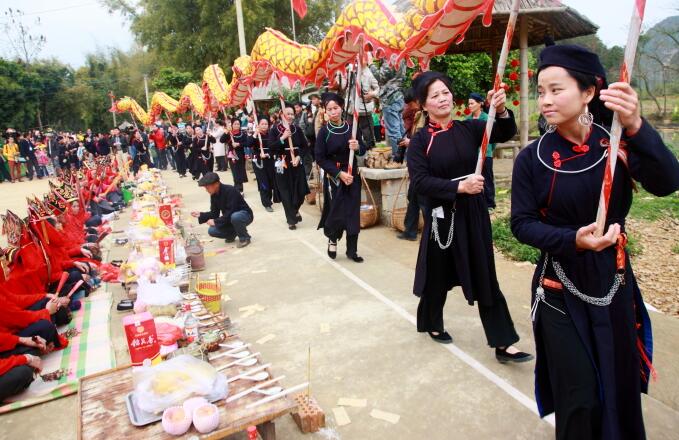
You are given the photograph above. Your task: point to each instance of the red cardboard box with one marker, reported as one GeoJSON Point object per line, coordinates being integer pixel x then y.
{"type": "Point", "coordinates": [166, 250]}
{"type": "Point", "coordinates": [142, 340]}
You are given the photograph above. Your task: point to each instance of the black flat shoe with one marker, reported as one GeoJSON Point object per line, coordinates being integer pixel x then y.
{"type": "Point", "coordinates": [332, 253]}
{"type": "Point", "coordinates": [503, 357]}
{"type": "Point", "coordinates": [355, 258]}
{"type": "Point", "coordinates": [298, 217]}
{"type": "Point", "coordinates": [124, 306]}
{"type": "Point", "coordinates": [292, 227]}
{"type": "Point", "coordinates": [442, 337]}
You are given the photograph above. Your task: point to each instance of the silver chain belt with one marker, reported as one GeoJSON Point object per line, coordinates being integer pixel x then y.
{"type": "Point", "coordinates": [435, 230]}
{"type": "Point", "coordinates": [568, 284]}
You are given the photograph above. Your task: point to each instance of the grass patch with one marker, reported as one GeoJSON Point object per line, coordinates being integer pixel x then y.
{"type": "Point", "coordinates": [634, 247]}
{"type": "Point", "coordinates": [675, 249]}
{"type": "Point", "coordinates": [646, 206]}
{"type": "Point", "coordinates": [510, 246]}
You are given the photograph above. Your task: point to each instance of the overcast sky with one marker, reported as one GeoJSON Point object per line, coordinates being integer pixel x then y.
{"type": "Point", "coordinates": [76, 27]}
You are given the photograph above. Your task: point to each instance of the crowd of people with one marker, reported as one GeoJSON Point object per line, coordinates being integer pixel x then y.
{"type": "Point", "coordinates": [52, 260]}
{"type": "Point", "coordinates": [592, 332]}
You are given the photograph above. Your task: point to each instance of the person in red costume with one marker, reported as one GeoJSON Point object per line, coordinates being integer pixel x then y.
{"type": "Point", "coordinates": [17, 370]}
{"type": "Point", "coordinates": [33, 315]}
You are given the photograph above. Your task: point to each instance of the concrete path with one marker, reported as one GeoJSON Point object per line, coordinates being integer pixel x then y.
{"type": "Point", "coordinates": [359, 320]}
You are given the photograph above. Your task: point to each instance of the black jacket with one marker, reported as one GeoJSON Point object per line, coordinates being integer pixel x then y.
{"type": "Point", "coordinates": [26, 149]}
{"type": "Point", "coordinates": [224, 203]}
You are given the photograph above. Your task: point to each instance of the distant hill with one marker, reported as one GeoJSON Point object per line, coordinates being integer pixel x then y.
{"type": "Point", "coordinates": [659, 56]}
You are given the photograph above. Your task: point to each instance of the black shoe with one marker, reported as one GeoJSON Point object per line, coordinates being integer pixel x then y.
{"type": "Point", "coordinates": [292, 227]}
{"type": "Point", "coordinates": [332, 254]}
{"type": "Point", "coordinates": [269, 209]}
{"type": "Point", "coordinates": [442, 337]}
{"type": "Point", "coordinates": [124, 306]}
{"type": "Point", "coordinates": [404, 236]}
{"type": "Point", "coordinates": [298, 217]}
{"type": "Point", "coordinates": [503, 357]}
{"type": "Point", "coordinates": [243, 243]}
{"type": "Point", "coordinates": [355, 258]}
{"type": "Point", "coordinates": [230, 239]}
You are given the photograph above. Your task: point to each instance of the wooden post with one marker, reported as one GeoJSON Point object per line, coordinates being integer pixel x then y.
{"type": "Point", "coordinates": [523, 94]}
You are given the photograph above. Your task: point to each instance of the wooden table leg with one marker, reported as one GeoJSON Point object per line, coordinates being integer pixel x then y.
{"type": "Point", "coordinates": [267, 430]}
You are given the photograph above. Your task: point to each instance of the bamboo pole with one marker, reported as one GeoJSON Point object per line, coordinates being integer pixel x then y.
{"type": "Point", "coordinates": [616, 128]}
{"type": "Point", "coordinates": [502, 62]}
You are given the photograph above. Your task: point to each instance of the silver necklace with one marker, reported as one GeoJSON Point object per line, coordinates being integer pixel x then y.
{"type": "Point", "coordinates": [556, 170]}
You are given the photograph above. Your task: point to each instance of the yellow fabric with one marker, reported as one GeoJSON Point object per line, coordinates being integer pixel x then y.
{"type": "Point", "coordinates": [424, 31]}
{"type": "Point", "coordinates": [10, 152]}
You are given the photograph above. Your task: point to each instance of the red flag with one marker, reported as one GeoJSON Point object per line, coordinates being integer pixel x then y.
{"type": "Point", "coordinates": [300, 7]}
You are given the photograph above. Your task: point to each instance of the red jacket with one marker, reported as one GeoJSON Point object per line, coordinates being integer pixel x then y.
{"type": "Point", "coordinates": [8, 342]}
{"type": "Point", "coordinates": [14, 317]}
{"type": "Point", "coordinates": [158, 137]}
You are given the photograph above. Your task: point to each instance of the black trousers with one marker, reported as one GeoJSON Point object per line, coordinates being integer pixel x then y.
{"type": "Point", "coordinates": [221, 163]}
{"type": "Point", "coordinates": [182, 163]}
{"type": "Point", "coordinates": [15, 381]}
{"type": "Point", "coordinates": [571, 374]}
{"type": "Point", "coordinates": [365, 123]}
{"type": "Point", "coordinates": [352, 242]}
{"type": "Point", "coordinates": [496, 319]}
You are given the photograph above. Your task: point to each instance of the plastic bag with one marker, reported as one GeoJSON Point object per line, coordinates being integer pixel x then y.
{"type": "Point", "coordinates": [172, 382]}
{"type": "Point", "coordinates": [168, 333]}
{"type": "Point", "coordinates": [160, 293]}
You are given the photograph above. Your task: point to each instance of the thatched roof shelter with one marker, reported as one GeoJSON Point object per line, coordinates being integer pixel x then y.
{"type": "Point", "coordinates": [543, 17]}
{"type": "Point", "coordinates": [537, 19]}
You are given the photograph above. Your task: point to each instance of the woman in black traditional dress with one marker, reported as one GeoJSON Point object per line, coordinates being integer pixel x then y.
{"type": "Point", "coordinates": [263, 165]}
{"type": "Point", "coordinates": [341, 189]}
{"type": "Point", "coordinates": [457, 246]}
{"type": "Point", "coordinates": [237, 141]}
{"type": "Point", "coordinates": [142, 157]}
{"type": "Point", "coordinates": [592, 330]}
{"type": "Point", "coordinates": [290, 177]}
{"type": "Point", "coordinates": [201, 151]}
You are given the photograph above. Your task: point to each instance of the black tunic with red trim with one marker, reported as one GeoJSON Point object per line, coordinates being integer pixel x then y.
{"type": "Point", "coordinates": [435, 156]}
{"type": "Point", "coordinates": [236, 155]}
{"type": "Point", "coordinates": [547, 210]}
{"type": "Point", "coordinates": [342, 207]}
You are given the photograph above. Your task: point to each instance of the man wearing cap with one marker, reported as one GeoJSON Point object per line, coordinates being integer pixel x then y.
{"type": "Point", "coordinates": [229, 214]}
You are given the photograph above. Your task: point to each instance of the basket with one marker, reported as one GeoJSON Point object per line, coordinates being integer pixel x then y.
{"type": "Point", "coordinates": [398, 215]}
{"type": "Point", "coordinates": [313, 188]}
{"type": "Point", "coordinates": [378, 157]}
{"type": "Point", "coordinates": [210, 293]}
{"type": "Point", "coordinates": [369, 212]}
{"type": "Point", "coordinates": [319, 189]}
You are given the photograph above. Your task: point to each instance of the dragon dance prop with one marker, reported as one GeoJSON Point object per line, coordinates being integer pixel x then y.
{"type": "Point", "coordinates": [616, 126]}
{"type": "Point", "coordinates": [424, 31]}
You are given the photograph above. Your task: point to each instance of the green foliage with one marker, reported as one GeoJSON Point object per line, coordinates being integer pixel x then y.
{"type": "Point", "coordinates": [470, 73]}
{"type": "Point", "coordinates": [189, 35]}
{"type": "Point", "coordinates": [675, 249]}
{"type": "Point", "coordinates": [649, 207]}
{"type": "Point", "coordinates": [171, 81]}
{"type": "Point", "coordinates": [504, 240]}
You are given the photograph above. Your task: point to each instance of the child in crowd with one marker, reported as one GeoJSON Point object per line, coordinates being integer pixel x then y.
{"type": "Point", "coordinates": [42, 160]}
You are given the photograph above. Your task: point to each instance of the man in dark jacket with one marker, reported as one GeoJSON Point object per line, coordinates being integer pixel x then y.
{"type": "Point", "coordinates": [27, 152]}
{"type": "Point", "coordinates": [229, 214]}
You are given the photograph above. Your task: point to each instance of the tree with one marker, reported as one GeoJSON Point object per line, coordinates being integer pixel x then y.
{"type": "Point", "coordinates": [171, 81]}
{"type": "Point", "coordinates": [189, 35]}
{"type": "Point", "coordinates": [24, 44]}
